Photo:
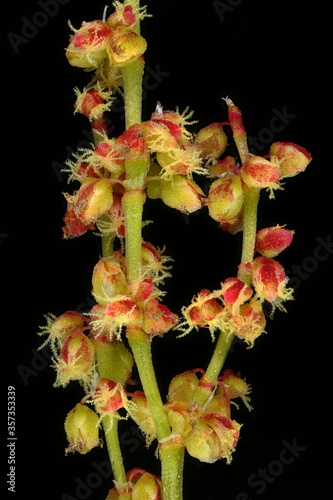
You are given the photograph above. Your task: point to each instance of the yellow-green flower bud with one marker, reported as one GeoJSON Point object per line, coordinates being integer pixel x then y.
{"type": "Point", "coordinates": [181, 193]}
{"type": "Point", "coordinates": [81, 427]}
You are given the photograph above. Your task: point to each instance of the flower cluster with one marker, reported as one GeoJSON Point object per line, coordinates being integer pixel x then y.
{"type": "Point", "coordinates": [237, 306]}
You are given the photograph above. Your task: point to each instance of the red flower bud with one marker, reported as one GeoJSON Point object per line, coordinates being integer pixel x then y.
{"type": "Point", "coordinates": [76, 359]}
{"type": "Point", "coordinates": [122, 16]}
{"type": "Point", "coordinates": [205, 309]}
{"type": "Point", "coordinates": [157, 318]}
{"type": "Point", "coordinates": [269, 279]}
{"type": "Point", "coordinates": [236, 292]}
{"type": "Point", "coordinates": [109, 396]}
{"type": "Point", "coordinates": [87, 48]}
{"type": "Point", "coordinates": [73, 225]}
{"type": "Point", "coordinates": [90, 103]}
{"type": "Point", "coordinates": [271, 241]}
{"type": "Point", "coordinates": [235, 387]}
{"type": "Point", "coordinates": [291, 158]}
{"type": "Point", "coordinates": [260, 173]}
{"type": "Point", "coordinates": [146, 486]}
{"type": "Point", "coordinates": [110, 155]}
{"type": "Point", "coordinates": [249, 322]}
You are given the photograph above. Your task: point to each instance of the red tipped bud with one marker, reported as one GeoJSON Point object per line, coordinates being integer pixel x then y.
{"type": "Point", "coordinates": [122, 16]}
{"type": "Point", "coordinates": [90, 104]}
{"type": "Point", "coordinates": [123, 310]}
{"type": "Point", "coordinates": [249, 322]}
{"type": "Point", "coordinates": [182, 160]}
{"type": "Point", "coordinates": [73, 225]}
{"type": "Point", "coordinates": [260, 173]}
{"type": "Point", "coordinates": [76, 359]}
{"type": "Point", "coordinates": [225, 199]}
{"type": "Point", "coordinates": [181, 193]}
{"type": "Point", "coordinates": [211, 141]}
{"type": "Point", "coordinates": [157, 318]}
{"type": "Point", "coordinates": [271, 241]}
{"type": "Point", "coordinates": [269, 279]}
{"type": "Point", "coordinates": [81, 427]}
{"type": "Point", "coordinates": [205, 309]}
{"type": "Point", "coordinates": [109, 155]}
{"type": "Point", "coordinates": [235, 386]}
{"type": "Point", "coordinates": [109, 396]}
{"type": "Point", "coordinates": [133, 138]}
{"type": "Point", "coordinates": [235, 291]}
{"type": "Point", "coordinates": [88, 47]}
{"type": "Point", "coordinates": [66, 324]}
{"type": "Point", "coordinates": [292, 159]}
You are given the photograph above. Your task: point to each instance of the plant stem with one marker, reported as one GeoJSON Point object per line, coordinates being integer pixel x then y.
{"type": "Point", "coordinates": [249, 223]}
{"type": "Point", "coordinates": [110, 426]}
{"type": "Point", "coordinates": [214, 368]}
{"type": "Point", "coordinates": [132, 75]}
{"type": "Point", "coordinates": [171, 450]}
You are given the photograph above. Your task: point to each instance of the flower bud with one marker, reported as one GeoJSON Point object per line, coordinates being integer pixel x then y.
{"type": "Point", "coordinates": [181, 160]}
{"type": "Point", "coordinates": [93, 199]}
{"type": "Point", "coordinates": [269, 279]}
{"type": "Point", "coordinates": [205, 309]}
{"type": "Point", "coordinates": [140, 413]}
{"type": "Point", "coordinates": [249, 322]}
{"type": "Point", "coordinates": [234, 291]}
{"type": "Point", "coordinates": [183, 386]}
{"type": "Point", "coordinates": [146, 487]}
{"type": "Point", "coordinates": [224, 168]}
{"type": "Point", "coordinates": [122, 16]}
{"type": "Point", "coordinates": [181, 193]}
{"type": "Point", "coordinates": [157, 318]}
{"type": "Point", "coordinates": [108, 280]}
{"type": "Point", "coordinates": [66, 324]}
{"type": "Point", "coordinates": [260, 173]}
{"type": "Point", "coordinates": [76, 359]}
{"type": "Point", "coordinates": [227, 432]}
{"type": "Point", "coordinates": [211, 141]}
{"type": "Point", "coordinates": [81, 427]}
{"type": "Point", "coordinates": [292, 159]}
{"type": "Point", "coordinates": [123, 311]}
{"type": "Point", "coordinates": [90, 103]}
{"type": "Point", "coordinates": [87, 48]}
{"type": "Point", "coordinates": [271, 241]}
{"type": "Point", "coordinates": [203, 443]}
{"type": "Point", "coordinates": [133, 138]}
{"type": "Point", "coordinates": [110, 155]}
{"type": "Point", "coordinates": [225, 199]}
{"type": "Point", "coordinates": [235, 387]}
{"type": "Point", "coordinates": [160, 137]}
{"type": "Point", "coordinates": [109, 396]}
{"type": "Point", "coordinates": [125, 46]}
{"type": "Point", "coordinates": [73, 225]}
{"type": "Point", "coordinates": [114, 360]}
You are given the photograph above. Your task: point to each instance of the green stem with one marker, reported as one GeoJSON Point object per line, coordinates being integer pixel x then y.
{"type": "Point", "coordinates": [249, 223]}
{"type": "Point", "coordinates": [110, 426]}
{"type": "Point", "coordinates": [214, 368]}
{"type": "Point", "coordinates": [170, 449]}
{"type": "Point", "coordinates": [132, 75]}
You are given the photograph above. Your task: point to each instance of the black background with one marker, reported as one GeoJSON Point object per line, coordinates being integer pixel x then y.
{"type": "Point", "coordinates": [270, 58]}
